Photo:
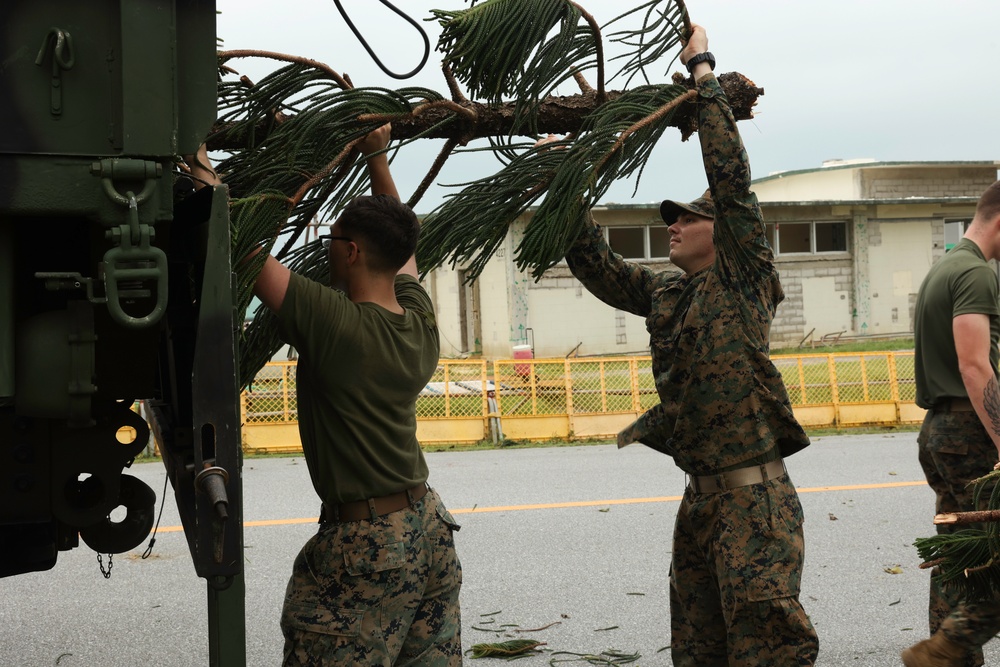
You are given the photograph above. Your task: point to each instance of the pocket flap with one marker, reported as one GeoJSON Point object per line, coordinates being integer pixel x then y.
{"type": "Point", "coordinates": [369, 560]}
{"type": "Point", "coordinates": [446, 516]}
{"type": "Point", "coordinates": [322, 620]}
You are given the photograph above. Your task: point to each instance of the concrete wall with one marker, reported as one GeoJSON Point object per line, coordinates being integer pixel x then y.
{"type": "Point", "coordinates": [900, 255]}
{"type": "Point", "coordinates": [443, 287]}
{"type": "Point", "coordinates": [821, 185]}
{"type": "Point", "coordinates": [818, 299]}
{"type": "Point", "coordinates": [566, 317]}
{"type": "Point", "coordinates": [900, 182]}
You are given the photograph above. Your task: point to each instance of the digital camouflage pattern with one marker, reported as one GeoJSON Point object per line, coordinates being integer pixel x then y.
{"type": "Point", "coordinates": [709, 332]}
{"type": "Point", "coordinates": [954, 449]}
{"type": "Point", "coordinates": [377, 593]}
{"type": "Point", "coordinates": [736, 572]}
{"type": "Point", "coordinates": [738, 554]}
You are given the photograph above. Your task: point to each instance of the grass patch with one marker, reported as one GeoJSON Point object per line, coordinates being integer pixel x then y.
{"type": "Point", "coordinates": [880, 345]}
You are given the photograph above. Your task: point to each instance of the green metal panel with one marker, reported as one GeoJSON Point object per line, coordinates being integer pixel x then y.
{"type": "Point", "coordinates": [6, 312]}
{"type": "Point", "coordinates": [149, 103]}
{"type": "Point", "coordinates": [197, 85]}
{"type": "Point", "coordinates": [82, 76]}
{"type": "Point", "coordinates": [114, 287]}
{"type": "Point", "coordinates": [227, 646]}
{"type": "Point", "coordinates": [106, 77]}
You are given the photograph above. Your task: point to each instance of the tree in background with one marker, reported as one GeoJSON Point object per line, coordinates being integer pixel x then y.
{"type": "Point", "coordinates": [290, 138]}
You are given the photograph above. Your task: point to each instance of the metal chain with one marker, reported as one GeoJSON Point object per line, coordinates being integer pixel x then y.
{"type": "Point", "coordinates": [100, 564]}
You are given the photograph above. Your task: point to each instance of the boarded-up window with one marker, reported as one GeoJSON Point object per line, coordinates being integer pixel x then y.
{"type": "Point", "coordinates": [629, 242]}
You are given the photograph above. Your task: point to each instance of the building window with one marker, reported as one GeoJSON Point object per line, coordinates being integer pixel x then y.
{"type": "Point", "coordinates": [629, 242]}
{"type": "Point", "coordinates": [801, 238]}
{"type": "Point", "coordinates": [659, 241]}
{"type": "Point", "coordinates": [831, 236]}
{"type": "Point", "coordinates": [646, 242]}
{"type": "Point", "coordinates": [794, 237]}
{"type": "Point", "coordinates": [953, 232]}
{"type": "Point", "coordinates": [786, 238]}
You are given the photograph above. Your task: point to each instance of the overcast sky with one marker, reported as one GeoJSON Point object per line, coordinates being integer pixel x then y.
{"type": "Point", "coordinates": [843, 79]}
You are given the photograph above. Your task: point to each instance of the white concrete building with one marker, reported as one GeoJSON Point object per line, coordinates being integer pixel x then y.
{"type": "Point", "coordinates": [853, 240]}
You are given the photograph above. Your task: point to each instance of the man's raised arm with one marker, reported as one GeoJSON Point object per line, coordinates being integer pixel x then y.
{"type": "Point", "coordinates": [381, 178]}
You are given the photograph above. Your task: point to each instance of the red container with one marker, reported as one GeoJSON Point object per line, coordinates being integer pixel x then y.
{"type": "Point", "coordinates": [523, 352]}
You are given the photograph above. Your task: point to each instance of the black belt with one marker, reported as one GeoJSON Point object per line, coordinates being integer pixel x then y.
{"type": "Point", "coordinates": [736, 478]}
{"type": "Point", "coordinates": [954, 405]}
{"type": "Point", "coordinates": [371, 508]}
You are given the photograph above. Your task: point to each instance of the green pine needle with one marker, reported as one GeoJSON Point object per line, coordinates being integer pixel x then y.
{"type": "Point", "coordinates": [969, 559]}
{"type": "Point", "coordinates": [514, 647]}
{"type": "Point", "coordinates": [297, 125]}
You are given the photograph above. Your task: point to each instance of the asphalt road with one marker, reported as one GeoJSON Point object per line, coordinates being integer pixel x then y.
{"type": "Point", "coordinates": [576, 536]}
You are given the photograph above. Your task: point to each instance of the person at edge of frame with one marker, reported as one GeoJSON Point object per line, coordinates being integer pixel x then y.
{"type": "Point", "coordinates": [379, 582]}
{"type": "Point", "coordinates": [956, 328]}
{"type": "Point", "coordinates": [724, 413]}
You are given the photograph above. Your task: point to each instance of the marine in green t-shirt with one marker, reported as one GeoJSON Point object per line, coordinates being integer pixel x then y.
{"type": "Point", "coordinates": [956, 327]}
{"type": "Point", "coordinates": [960, 283]}
{"type": "Point", "coordinates": [360, 370]}
{"type": "Point", "coordinates": [379, 582]}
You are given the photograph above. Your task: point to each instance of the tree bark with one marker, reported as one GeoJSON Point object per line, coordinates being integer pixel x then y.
{"type": "Point", "coordinates": [967, 517]}
{"type": "Point", "coordinates": [557, 115]}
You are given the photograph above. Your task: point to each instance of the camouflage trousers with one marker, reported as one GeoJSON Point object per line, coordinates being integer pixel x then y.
{"type": "Point", "coordinates": [954, 449]}
{"type": "Point", "coordinates": [735, 576]}
{"type": "Point", "coordinates": [381, 592]}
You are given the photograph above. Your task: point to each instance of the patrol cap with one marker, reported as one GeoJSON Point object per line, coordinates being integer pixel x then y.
{"type": "Point", "coordinates": [703, 206]}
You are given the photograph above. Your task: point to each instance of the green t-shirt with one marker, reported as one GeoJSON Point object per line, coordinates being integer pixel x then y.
{"type": "Point", "coordinates": [961, 283]}
{"type": "Point", "coordinates": [359, 372]}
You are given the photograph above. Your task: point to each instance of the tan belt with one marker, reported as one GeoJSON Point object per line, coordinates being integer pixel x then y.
{"type": "Point", "coordinates": [737, 478]}
{"type": "Point", "coordinates": [955, 405]}
{"type": "Point", "coordinates": [372, 508]}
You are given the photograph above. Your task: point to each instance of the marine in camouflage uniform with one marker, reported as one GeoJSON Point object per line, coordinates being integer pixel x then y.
{"type": "Point", "coordinates": [723, 415]}
{"type": "Point", "coordinates": [954, 447]}
{"type": "Point", "coordinates": [378, 584]}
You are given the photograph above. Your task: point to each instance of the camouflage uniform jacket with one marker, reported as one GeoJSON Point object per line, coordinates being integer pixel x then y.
{"type": "Point", "coordinates": [722, 401]}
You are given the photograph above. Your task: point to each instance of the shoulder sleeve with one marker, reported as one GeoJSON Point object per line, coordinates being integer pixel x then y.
{"type": "Point", "coordinates": [411, 295]}
{"type": "Point", "coordinates": [743, 255]}
{"type": "Point", "coordinates": [976, 292]}
{"type": "Point", "coordinates": [313, 316]}
{"type": "Point", "coordinates": [619, 283]}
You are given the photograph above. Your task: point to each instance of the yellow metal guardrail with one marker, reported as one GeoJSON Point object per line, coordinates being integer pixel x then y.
{"type": "Point", "coordinates": [467, 401]}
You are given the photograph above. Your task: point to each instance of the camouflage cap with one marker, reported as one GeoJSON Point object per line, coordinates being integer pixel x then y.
{"type": "Point", "coordinates": [703, 206]}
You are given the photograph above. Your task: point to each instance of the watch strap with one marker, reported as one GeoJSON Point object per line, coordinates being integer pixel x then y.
{"type": "Point", "coordinates": [705, 57]}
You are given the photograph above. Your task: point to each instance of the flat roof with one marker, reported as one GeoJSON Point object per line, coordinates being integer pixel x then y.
{"type": "Point", "coordinates": [880, 165]}
{"type": "Point", "coordinates": [818, 202]}
{"type": "Point", "coordinates": [875, 202]}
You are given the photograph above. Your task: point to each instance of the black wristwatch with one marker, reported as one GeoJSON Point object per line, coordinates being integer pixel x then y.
{"type": "Point", "coordinates": [705, 57]}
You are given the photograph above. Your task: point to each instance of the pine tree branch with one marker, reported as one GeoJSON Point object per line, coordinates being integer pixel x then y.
{"type": "Point", "coordinates": [557, 115]}
{"type": "Point", "coordinates": [224, 56]}
{"type": "Point", "coordinates": [599, 43]}
{"type": "Point", "coordinates": [960, 518]}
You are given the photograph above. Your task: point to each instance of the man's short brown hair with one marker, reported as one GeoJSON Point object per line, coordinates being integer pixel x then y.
{"type": "Point", "coordinates": [989, 203]}
{"type": "Point", "coordinates": [389, 228]}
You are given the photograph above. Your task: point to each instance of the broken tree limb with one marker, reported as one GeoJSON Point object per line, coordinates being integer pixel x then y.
{"type": "Point", "coordinates": [557, 115]}
{"type": "Point", "coordinates": [957, 518]}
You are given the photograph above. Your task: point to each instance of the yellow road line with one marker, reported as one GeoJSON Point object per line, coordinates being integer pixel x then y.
{"type": "Point", "coordinates": [887, 485]}
{"type": "Point", "coordinates": [582, 503]}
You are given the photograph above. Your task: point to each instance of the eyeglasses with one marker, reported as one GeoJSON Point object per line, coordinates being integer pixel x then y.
{"type": "Point", "coordinates": [327, 238]}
